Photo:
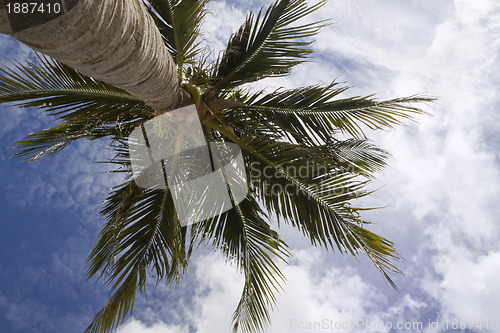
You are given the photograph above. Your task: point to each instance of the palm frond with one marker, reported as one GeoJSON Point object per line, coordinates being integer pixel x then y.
{"type": "Point", "coordinates": [241, 234]}
{"type": "Point", "coordinates": [315, 112]}
{"type": "Point", "coordinates": [47, 78]}
{"type": "Point", "coordinates": [86, 107]}
{"type": "Point", "coordinates": [179, 23]}
{"type": "Point", "coordinates": [51, 141]}
{"type": "Point", "coordinates": [262, 275]}
{"type": "Point", "coordinates": [142, 232]}
{"type": "Point", "coordinates": [358, 156]}
{"type": "Point", "coordinates": [317, 203]}
{"type": "Point", "coordinates": [267, 45]}
{"type": "Point", "coordinates": [245, 237]}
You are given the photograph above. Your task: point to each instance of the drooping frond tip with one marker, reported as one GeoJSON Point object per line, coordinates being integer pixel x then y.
{"type": "Point", "coordinates": [142, 233]}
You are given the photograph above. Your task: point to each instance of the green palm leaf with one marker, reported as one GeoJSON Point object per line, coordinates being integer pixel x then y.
{"type": "Point", "coordinates": [51, 141]}
{"type": "Point", "coordinates": [267, 45]}
{"type": "Point", "coordinates": [318, 203]}
{"type": "Point", "coordinates": [245, 237]}
{"type": "Point", "coordinates": [179, 23]}
{"type": "Point", "coordinates": [142, 232]}
{"type": "Point", "coordinates": [315, 112]}
{"type": "Point", "coordinates": [86, 107]}
{"type": "Point", "coordinates": [46, 78]}
{"type": "Point", "coordinates": [241, 234]}
{"type": "Point", "coordinates": [359, 156]}
{"type": "Point", "coordinates": [262, 275]}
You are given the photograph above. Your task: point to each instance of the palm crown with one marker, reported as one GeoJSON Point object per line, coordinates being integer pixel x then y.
{"type": "Point", "coordinates": [285, 130]}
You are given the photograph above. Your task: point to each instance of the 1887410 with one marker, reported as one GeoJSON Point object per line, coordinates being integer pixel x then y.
{"type": "Point", "coordinates": [33, 8]}
{"type": "Point", "coordinates": [20, 15]}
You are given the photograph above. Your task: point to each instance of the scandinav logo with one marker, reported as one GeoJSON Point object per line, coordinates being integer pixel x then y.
{"type": "Point", "coordinates": [170, 151]}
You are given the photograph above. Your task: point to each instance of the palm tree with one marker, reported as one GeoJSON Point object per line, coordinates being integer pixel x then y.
{"type": "Point", "coordinates": [97, 91]}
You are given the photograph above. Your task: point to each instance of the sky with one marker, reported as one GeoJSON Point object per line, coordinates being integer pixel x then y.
{"type": "Point", "coordinates": [440, 193]}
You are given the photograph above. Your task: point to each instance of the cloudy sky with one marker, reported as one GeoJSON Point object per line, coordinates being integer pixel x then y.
{"type": "Point", "coordinates": [441, 192]}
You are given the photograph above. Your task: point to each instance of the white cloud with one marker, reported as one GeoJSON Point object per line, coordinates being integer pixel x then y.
{"type": "Point", "coordinates": [68, 181]}
{"type": "Point", "coordinates": [468, 288]}
{"type": "Point", "coordinates": [446, 171]}
{"type": "Point", "coordinates": [315, 292]}
{"type": "Point", "coordinates": [11, 120]}
{"type": "Point", "coordinates": [222, 20]}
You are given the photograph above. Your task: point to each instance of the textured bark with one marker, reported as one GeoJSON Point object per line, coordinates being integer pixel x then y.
{"type": "Point", "coordinates": [115, 41]}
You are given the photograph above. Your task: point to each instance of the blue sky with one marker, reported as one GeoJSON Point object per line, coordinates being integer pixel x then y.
{"type": "Point", "coordinates": [48, 226]}
{"type": "Point", "coordinates": [441, 190]}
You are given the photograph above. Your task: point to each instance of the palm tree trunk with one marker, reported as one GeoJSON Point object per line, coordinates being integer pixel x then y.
{"type": "Point", "coordinates": [115, 41]}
